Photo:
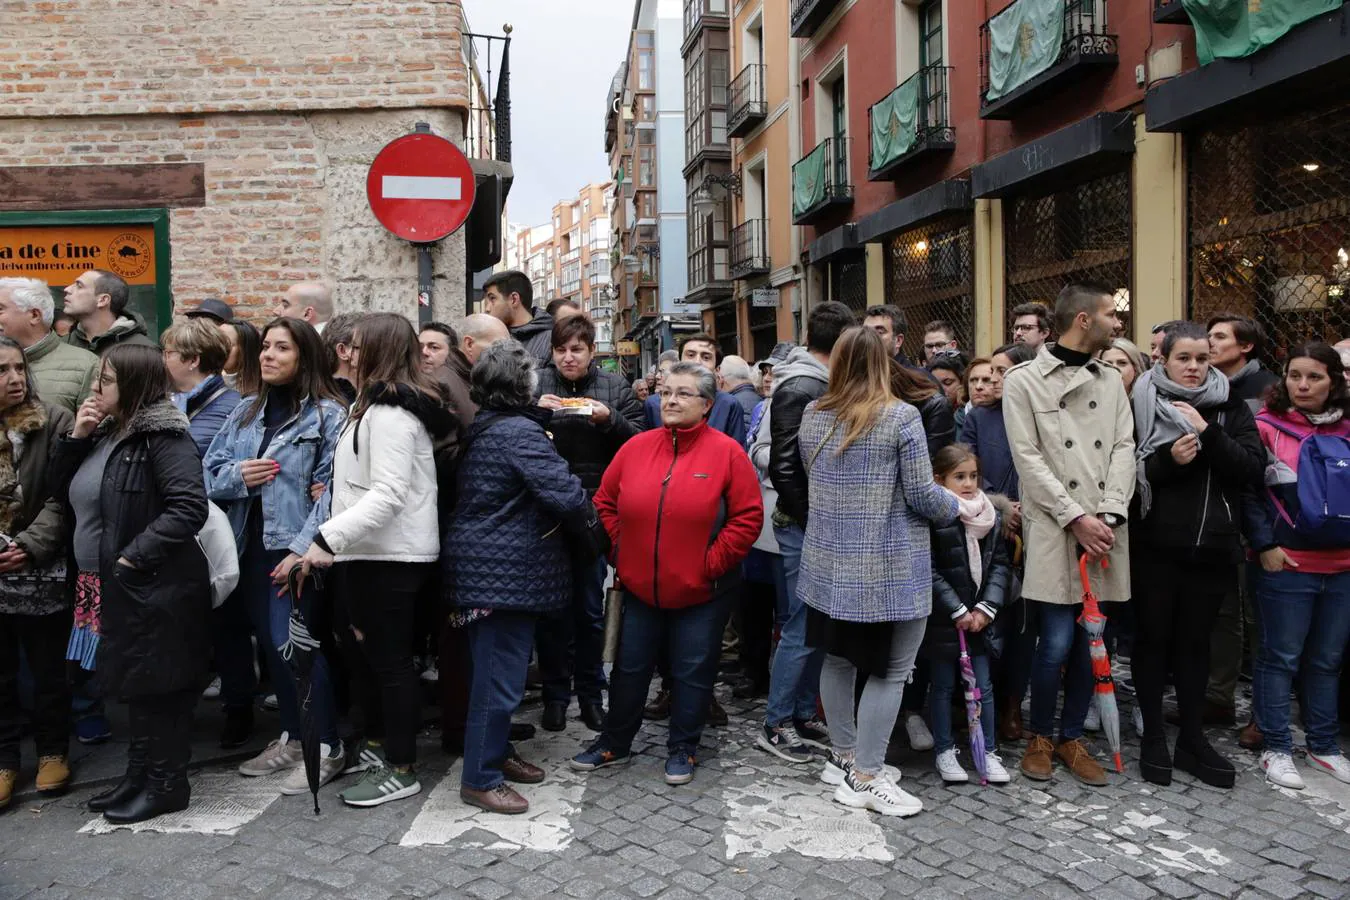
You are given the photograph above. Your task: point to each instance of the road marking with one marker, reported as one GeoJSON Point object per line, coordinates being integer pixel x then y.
{"type": "Point", "coordinates": [547, 827]}
{"type": "Point", "coordinates": [419, 187]}
{"type": "Point", "coordinates": [222, 803]}
{"type": "Point", "coordinates": [793, 816]}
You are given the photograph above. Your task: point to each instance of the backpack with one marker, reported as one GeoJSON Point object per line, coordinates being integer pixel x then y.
{"type": "Point", "coordinates": [1322, 516]}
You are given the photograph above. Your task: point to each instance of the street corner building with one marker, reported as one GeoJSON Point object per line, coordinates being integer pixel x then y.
{"type": "Point", "coordinates": [221, 149]}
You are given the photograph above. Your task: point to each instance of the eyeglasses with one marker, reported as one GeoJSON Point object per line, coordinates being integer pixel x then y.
{"type": "Point", "coordinates": [1024, 328]}
{"type": "Point", "coordinates": [936, 345]}
{"type": "Point", "coordinates": [681, 396]}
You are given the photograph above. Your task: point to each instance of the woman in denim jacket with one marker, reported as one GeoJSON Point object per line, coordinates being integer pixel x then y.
{"type": "Point", "coordinates": [261, 468]}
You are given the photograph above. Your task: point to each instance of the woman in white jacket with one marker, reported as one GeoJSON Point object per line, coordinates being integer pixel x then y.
{"type": "Point", "coordinates": [383, 536]}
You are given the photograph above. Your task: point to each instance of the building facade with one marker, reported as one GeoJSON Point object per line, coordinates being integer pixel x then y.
{"type": "Point", "coordinates": [217, 150]}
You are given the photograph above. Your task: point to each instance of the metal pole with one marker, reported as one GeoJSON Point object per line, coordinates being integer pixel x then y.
{"type": "Point", "coordinates": [424, 283]}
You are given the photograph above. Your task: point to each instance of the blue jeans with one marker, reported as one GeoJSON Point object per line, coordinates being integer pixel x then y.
{"type": "Point", "coordinates": [572, 642]}
{"type": "Point", "coordinates": [944, 676]}
{"type": "Point", "coordinates": [1305, 619]}
{"type": "Point", "coordinates": [270, 613]}
{"type": "Point", "coordinates": [795, 678]}
{"type": "Point", "coordinates": [1062, 645]}
{"type": "Point", "coordinates": [499, 647]}
{"type": "Point", "coordinates": [692, 639]}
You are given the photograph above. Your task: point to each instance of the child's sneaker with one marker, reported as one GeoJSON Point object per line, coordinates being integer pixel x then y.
{"type": "Point", "coordinates": [950, 769]}
{"type": "Point", "coordinates": [920, 738]}
{"type": "Point", "coordinates": [994, 770]}
{"type": "Point", "coordinates": [879, 794]}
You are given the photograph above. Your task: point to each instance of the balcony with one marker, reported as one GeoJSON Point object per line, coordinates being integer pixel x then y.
{"type": "Point", "coordinates": [1037, 46]}
{"type": "Point", "coordinates": [698, 13]}
{"type": "Point", "coordinates": [747, 107]}
{"type": "Point", "coordinates": [808, 15]}
{"type": "Point", "coordinates": [750, 249]}
{"type": "Point", "coordinates": [820, 181]}
{"type": "Point", "coordinates": [1170, 12]}
{"type": "Point", "coordinates": [909, 123]}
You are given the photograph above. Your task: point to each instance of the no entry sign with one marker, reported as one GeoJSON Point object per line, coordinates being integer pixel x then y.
{"type": "Point", "coordinates": [420, 187]}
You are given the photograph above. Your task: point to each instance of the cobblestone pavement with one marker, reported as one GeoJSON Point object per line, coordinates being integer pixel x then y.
{"type": "Point", "coordinates": [747, 826]}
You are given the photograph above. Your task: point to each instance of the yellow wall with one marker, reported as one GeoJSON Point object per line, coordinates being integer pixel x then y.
{"type": "Point", "coordinates": [989, 266]}
{"type": "Point", "coordinates": [1159, 186]}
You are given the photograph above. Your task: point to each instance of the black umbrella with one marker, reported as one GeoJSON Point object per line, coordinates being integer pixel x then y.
{"type": "Point", "coordinates": [298, 651]}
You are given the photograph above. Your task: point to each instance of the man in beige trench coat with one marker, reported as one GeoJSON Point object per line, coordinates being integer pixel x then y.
{"type": "Point", "coordinates": [1072, 438]}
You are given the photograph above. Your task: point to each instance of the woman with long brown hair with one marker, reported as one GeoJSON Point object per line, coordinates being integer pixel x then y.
{"type": "Point", "coordinates": [384, 539]}
{"type": "Point", "coordinates": [866, 570]}
{"type": "Point", "coordinates": [922, 393]}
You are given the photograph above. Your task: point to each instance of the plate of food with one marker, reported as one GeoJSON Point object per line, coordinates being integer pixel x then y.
{"type": "Point", "coordinates": [576, 406]}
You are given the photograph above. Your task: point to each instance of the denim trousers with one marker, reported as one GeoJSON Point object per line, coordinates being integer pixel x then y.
{"type": "Point", "coordinates": [868, 732]}
{"type": "Point", "coordinates": [794, 680]}
{"type": "Point", "coordinates": [1063, 645]}
{"type": "Point", "coordinates": [692, 640]}
{"type": "Point", "coordinates": [945, 679]}
{"type": "Point", "coordinates": [1304, 619]}
{"type": "Point", "coordinates": [572, 641]}
{"type": "Point", "coordinates": [499, 649]}
{"type": "Point", "coordinates": [42, 640]}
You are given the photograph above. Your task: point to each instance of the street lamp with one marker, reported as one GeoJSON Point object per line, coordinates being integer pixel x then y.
{"type": "Point", "coordinates": [704, 201]}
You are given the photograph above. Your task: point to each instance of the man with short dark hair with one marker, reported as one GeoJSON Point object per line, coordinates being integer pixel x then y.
{"type": "Point", "coordinates": [97, 301]}
{"type": "Point", "coordinates": [509, 296]}
{"type": "Point", "coordinates": [938, 336]}
{"type": "Point", "coordinates": [338, 337]}
{"type": "Point", "coordinates": [1156, 337]}
{"type": "Point", "coordinates": [1071, 433]}
{"type": "Point", "coordinates": [1031, 324]}
{"type": "Point", "coordinates": [790, 717]}
{"type": "Point", "coordinates": [563, 307]}
{"type": "Point", "coordinates": [571, 644]}
{"type": "Point", "coordinates": [1235, 345]}
{"type": "Point", "coordinates": [725, 416]}
{"type": "Point", "coordinates": [437, 340]}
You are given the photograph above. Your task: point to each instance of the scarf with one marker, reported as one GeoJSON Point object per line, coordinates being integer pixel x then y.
{"type": "Point", "coordinates": [1158, 423]}
{"type": "Point", "coordinates": [17, 422]}
{"type": "Point", "coordinates": [977, 517]}
{"type": "Point", "coordinates": [1327, 417]}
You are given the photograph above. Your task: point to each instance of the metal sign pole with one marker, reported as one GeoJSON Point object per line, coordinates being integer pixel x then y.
{"type": "Point", "coordinates": [424, 283]}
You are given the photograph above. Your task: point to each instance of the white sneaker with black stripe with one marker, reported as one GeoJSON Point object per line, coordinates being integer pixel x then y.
{"type": "Point", "coordinates": [879, 794]}
{"type": "Point", "coordinates": [836, 767]}
{"type": "Point", "coordinates": [381, 786]}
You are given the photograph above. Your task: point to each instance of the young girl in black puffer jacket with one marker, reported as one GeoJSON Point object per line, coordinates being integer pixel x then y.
{"type": "Point", "coordinates": [971, 574]}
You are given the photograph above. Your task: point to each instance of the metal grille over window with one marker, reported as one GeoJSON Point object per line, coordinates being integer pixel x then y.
{"type": "Point", "coordinates": [1269, 210]}
{"type": "Point", "coordinates": [1080, 233]}
{"type": "Point", "coordinates": [930, 275]}
{"type": "Point", "coordinates": [848, 282]}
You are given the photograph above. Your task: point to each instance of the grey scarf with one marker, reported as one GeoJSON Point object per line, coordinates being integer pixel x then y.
{"type": "Point", "coordinates": [1158, 423]}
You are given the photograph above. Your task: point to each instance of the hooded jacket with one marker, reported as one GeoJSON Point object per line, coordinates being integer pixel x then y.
{"type": "Point", "coordinates": [537, 336]}
{"type": "Point", "coordinates": [799, 380]}
{"type": "Point", "coordinates": [39, 525]}
{"type": "Point", "coordinates": [128, 328]}
{"type": "Point", "coordinates": [64, 374]}
{"type": "Point", "coordinates": [589, 448]}
{"type": "Point", "coordinates": [384, 479]}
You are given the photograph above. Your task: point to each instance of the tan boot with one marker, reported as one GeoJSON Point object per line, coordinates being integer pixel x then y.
{"type": "Point", "coordinates": [1078, 758]}
{"type": "Point", "coordinates": [7, 779]}
{"type": "Point", "coordinates": [53, 774]}
{"type": "Point", "coordinates": [1036, 762]}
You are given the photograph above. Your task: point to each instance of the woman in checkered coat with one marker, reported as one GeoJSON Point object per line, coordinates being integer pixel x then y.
{"type": "Point", "coordinates": [866, 571]}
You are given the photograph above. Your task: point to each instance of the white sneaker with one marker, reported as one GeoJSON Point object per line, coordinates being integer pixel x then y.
{"type": "Point", "coordinates": [1280, 770]}
{"type": "Point", "coordinates": [278, 756]}
{"type": "Point", "coordinates": [270, 702]}
{"type": "Point", "coordinates": [880, 795]}
{"type": "Point", "coordinates": [1138, 722]}
{"type": "Point", "coordinates": [431, 674]}
{"type": "Point", "coordinates": [993, 766]}
{"type": "Point", "coordinates": [1334, 764]}
{"type": "Point", "coordinates": [920, 738]}
{"type": "Point", "coordinates": [213, 689]}
{"type": "Point", "coordinates": [1093, 720]}
{"type": "Point", "coordinates": [331, 764]}
{"type": "Point", "coordinates": [950, 769]}
{"type": "Point", "coordinates": [836, 768]}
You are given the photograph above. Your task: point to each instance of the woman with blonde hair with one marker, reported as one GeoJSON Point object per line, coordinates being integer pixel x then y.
{"type": "Point", "coordinates": [866, 571]}
{"type": "Point", "coordinates": [1127, 358]}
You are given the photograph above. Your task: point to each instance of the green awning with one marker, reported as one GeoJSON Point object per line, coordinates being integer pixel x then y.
{"type": "Point", "coordinates": [1024, 41]}
{"type": "Point", "coordinates": [895, 120]}
{"type": "Point", "coordinates": [809, 179]}
{"type": "Point", "coordinates": [1232, 29]}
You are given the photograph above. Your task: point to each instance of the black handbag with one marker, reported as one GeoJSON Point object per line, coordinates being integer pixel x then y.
{"type": "Point", "coordinates": [585, 535]}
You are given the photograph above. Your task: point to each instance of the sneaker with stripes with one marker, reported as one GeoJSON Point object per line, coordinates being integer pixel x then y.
{"type": "Point", "coordinates": [364, 756]}
{"type": "Point", "coordinates": [381, 785]}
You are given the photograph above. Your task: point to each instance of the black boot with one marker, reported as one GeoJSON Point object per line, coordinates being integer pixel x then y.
{"type": "Point", "coordinates": [169, 723]}
{"type": "Point", "coordinates": [1196, 756]}
{"type": "Point", "coordinates": [555, 716]}
{"type": "Point", "coordinates": [125, 789]}
{"type": "Point", "coordinates": [593, 714]}
{"type": "Point", "coordinates": [133, 782]}
{"type": "Point", "coordinates": [238, 728]}
{"type": "Point", "coordinates": [1155, 762]}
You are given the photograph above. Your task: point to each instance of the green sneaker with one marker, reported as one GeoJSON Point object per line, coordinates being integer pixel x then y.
{"type": "Point", "coordinates": [380, 785]}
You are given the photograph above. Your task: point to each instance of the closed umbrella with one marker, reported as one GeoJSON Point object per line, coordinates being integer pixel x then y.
{"type": "Point", "coordinates": [298, 652]}
{"type": "Point", "coordinates": [973, 705]}
{"type": "Point", "coordinates": [1093, 621]}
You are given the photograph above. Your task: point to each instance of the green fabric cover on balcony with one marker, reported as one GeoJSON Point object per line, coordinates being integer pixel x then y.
{"type": "Point", "coordinates": [1232, 29]}
{"type": "Point", "coordinates": [895, 120]}
{"type": "Point", "coordinates": [1024, 41]}
{"type": "Point", "coordinates": [810, 179]}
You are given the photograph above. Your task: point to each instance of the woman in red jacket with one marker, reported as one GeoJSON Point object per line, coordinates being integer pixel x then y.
{"type": "Point", "coordinates": [682, 507]}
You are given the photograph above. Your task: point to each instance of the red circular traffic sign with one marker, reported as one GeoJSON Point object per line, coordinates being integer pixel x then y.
{"type": "Point", "coordinates": [420, 187]}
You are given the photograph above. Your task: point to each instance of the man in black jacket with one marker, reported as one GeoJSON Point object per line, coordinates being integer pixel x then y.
{"type": "Point", "coordinates": [510, 297]}
{"type": "Point", "coordinates": [795, 678]}
{"type": "Point", "coordinates": [588, 437]}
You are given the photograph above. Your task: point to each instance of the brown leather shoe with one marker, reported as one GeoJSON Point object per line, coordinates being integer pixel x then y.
{"type": "Point", "coordinates": [53, 774]}
{"type": "Point", "coordinates": [501, 799]}
{"type": "Point", "coordinates": [1037, 763]}
{"type": "Point", "coordinates": [717, 716]}
{"type": "Point", "coordinates": [1010, 721]}
{"type": "Point", "coordinates": [1078, 758]}
{"type": "Point", "coordinates": [7, 779]}
{"type": "Point", "coordinates": [1250, 737]}
{"type": "Point", "coordinates": [519, 771]}
{"type": "Point", "coordinates": [659, 708]}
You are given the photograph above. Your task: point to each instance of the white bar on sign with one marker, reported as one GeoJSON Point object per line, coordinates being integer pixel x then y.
{"type": "Point", "coordinates": [418, 187]}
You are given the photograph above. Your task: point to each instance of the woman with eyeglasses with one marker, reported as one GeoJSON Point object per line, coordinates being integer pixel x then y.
{"type": "Point", "coordinates": [682, 507]}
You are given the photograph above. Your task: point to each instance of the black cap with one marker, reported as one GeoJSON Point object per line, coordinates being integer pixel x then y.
{"type": "Point", "coordinates": [213, 308]}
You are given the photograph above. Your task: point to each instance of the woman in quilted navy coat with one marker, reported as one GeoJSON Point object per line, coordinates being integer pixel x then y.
{"type": "Point", "coordinates": [505, 562]}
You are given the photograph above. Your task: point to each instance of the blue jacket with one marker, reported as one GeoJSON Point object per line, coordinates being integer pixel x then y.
{"type": "Point", "coordinates": [984, 431]}
{"type": "Point", "coordinates": [207, 405]}
{"type": "Point", "coordinates": [303, 446]}
{"type": "Point", "coordinates": [726, 416]}
{"type": "Point", "coordinates": [503, 547]}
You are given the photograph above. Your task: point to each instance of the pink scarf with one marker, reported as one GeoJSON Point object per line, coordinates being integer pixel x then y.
{"type": "Point", "coordinates": [978, 518]}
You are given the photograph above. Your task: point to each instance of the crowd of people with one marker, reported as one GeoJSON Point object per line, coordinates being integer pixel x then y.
{"type": "Point", "coordinates": [454, 502]}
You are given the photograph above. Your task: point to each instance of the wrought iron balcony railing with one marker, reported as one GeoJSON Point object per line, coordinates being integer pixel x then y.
{"type": "Point", "coordinates": [909, 122]}
{"type": "Point", "coordinates": [747, 106]}
{"type": "Point", "coordinates": [1034, 44]}
{"type": "Point", "coordinates": [820, 181]}
{"type": "Point", "coordinates": [750, 249]}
